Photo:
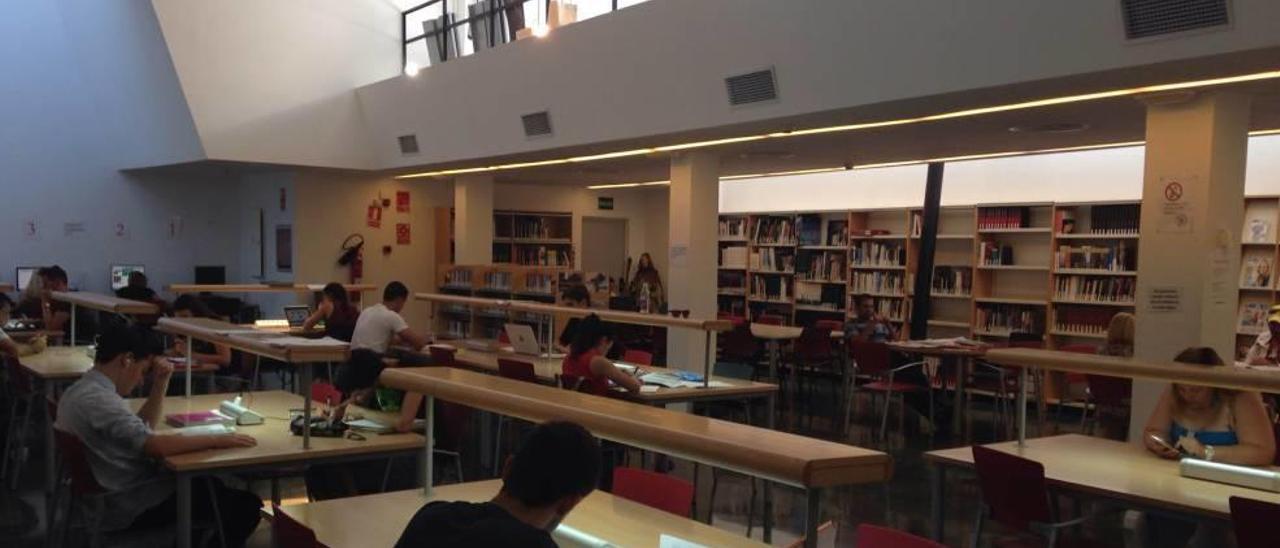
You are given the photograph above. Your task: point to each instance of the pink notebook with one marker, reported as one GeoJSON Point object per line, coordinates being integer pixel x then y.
{"type": "Point", "coordinates": [198, 418]}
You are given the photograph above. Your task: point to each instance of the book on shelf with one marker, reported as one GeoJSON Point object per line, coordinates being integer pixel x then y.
{"type": "Point", "coordinates": [994, 218]}
{"type": "Point", "coordinates": [1116, 257]}
{"type": "Point", "coordinates": [774, 230]}
{"type": "Point", "coordinates": [993, 253]}
{"type": "Point", "coordinates": [773, 288]}
{"type": "Point", "coordinates": [733, 257]}
{"type": "Point", "coordinates": [878, 254]}
{"type": "Point", "coordinates": [732, 308]}
{"type": "Point", "coordinates": [458, 277]}
{"type": "Point", "coordinates": [867, 232]}
{"type": "Point", "coordinates": [1114, 219]}
{"type": "Point", "coordinates": [544, 256]}
{"type": "Point", "coordinates": [1008, 318]}
{"type": "Point", "coordinates": [1101, 289]}
{"type": "Point", "coordinates": [949, 280]}
{"type": "Point", "coordinates": [838, 233]}
{"type": "Point", "coordinates": [826, 266]}
{"type": "Point", "coordinates": [537, 283]}
{"type": "Point", "coordinates": [733, 228]}
{"type": "Point", "coordinates": [894, 309]}
{"type": "Point", "coordinates": [497, 281]}
{"type": "Point", "coordinates": [1255, 271]}
{"type": "Point", "coordinates": [809, 230]}
{"type": "Point", "coordinates": [917, 224]}
{"type": "Point", "coordinates": [771, 259]}
{"type": "Point", "coordinates": [1253, 317]}
{"type": "Point", "coordinates": [1082, 320]}
{"type": "Point", "coordinates": [819, 296]}
{"type": "Point", "coordinates": [1064, 221]}
{"type": "Point", "coordinates": [878, 282]}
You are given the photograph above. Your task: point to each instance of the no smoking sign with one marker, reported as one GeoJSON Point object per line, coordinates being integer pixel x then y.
{"type": "Point", "coordinates": [1173, 191]}
{"type": "Point", "coordinates": [1175, 216]}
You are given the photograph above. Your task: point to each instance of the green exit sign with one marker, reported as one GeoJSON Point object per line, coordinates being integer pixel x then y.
{"type": "Point", "coordinates": [604, 202]}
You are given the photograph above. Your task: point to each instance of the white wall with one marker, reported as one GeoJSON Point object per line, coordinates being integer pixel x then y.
{"type": "Point", "coordinates": [1086, 176]}
{"type": "Point", "coordinates": [88, 90]}
{"type": "Point", "coordinates": [274, 81]}
{"type": "Point", "coordinates": [658, 68]}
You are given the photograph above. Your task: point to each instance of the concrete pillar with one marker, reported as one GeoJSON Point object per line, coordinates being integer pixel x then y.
{"type": "Point", "coordinates": [1189, 251]}
{"type": "Point", "coordinates": [694, 208]}
{"type": "Point", "coordinates": [473, 219]}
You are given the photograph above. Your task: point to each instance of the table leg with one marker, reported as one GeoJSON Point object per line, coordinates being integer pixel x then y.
{"type": "Point", "coordinates": [72, 342]}
{"type": "Point", "coordinates": [184, 511]}
{"type": "Point", "coordinates": [766, 521]}
{"type": "Point", "coordinates": [1022, 406]}
{"type": "Point", "coordinates": [812, 517]}
{"type": "Point", "coordinates": [957, 414]}
{"type": "Point", "coordinates": [50, 477]}
{"type": "Point", "coordinates": [938, 504]}
{"type": "Point", "coordinates": [190, 366]}
{"type": "Point", "coordinates": [429, 435]}
{"type": "Point", "coordinates": [306, 406]}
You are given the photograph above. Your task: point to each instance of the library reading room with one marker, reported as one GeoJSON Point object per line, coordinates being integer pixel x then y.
{"type": "Point", "coordinates": [640, 273]}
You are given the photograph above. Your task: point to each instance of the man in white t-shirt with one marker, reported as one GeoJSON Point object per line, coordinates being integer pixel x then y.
{"type": "Point", "coordinates": [377, 329]}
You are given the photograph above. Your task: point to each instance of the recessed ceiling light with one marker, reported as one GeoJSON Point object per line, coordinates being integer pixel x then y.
{"type": "Point", "coordinates": [1053, 127]}
{"type": "Point", "coordinates": [411, 69]}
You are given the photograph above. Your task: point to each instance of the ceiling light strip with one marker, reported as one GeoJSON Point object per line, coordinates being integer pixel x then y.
{"type": "Point", "coordinates": [1157, 88]}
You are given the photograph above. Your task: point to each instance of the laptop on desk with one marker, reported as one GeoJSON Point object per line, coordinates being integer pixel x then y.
{"type": "Point", "coordinates": [297, 315]}
{"type": "Point", "coordinates": [523, 341]}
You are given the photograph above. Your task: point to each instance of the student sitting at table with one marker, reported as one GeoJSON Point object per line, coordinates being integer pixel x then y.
{"type": "Point", "coordinates": [188, 306]}
{"type": "Point", "coordinates": [867, 325]}
{"type": "Point", "coordinates": [378, 327]}
{"type": "Point", "coordinates": [37, 301]}
{"type": "Point", "coordinates": [588, 364]}
{"type": "Point", "coordinates": [123, 448]}
{"type": "Point", "coordinates": [576, 296]}
{"type": "Point", "coordinates": [10, 347]}
{"type": "Point", "coordinates": [336, 311]}
{"type": "Point", "coordinates": [138, 290]}
{"type": "Point", "coordinates": [549, 475]}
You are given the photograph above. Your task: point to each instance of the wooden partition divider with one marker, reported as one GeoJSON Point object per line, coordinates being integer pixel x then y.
{"type": "Point", "coordinates": [103, 303]}
{"type": "Point", "coordinates": [781, 457]}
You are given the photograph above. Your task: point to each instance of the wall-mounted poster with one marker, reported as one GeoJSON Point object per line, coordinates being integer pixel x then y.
{"type": "Point", "coordinates": [284, 248]}
{"type": "Point", "coordinates": [402, 201]}
{"type": "Point", "coordinates": [403, 235]}
{"type": "Point", "coordinates": [373, 217]}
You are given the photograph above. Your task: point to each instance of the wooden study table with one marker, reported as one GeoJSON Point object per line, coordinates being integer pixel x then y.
{"type": "Point", "coordinates": [102, 303]}
{"type": "Point", "coordinates": [276, 445]}
{"type": "Point", "coordinates": [1107, 469]}
{"type": "Point", "coordinates": [601, 517]}
{"type": "Point", "coordinates": [807, 463]}
{"type": "Point", "coordinates": [264, 288]}
{"type": "Point", "coordinates": [301, 353]}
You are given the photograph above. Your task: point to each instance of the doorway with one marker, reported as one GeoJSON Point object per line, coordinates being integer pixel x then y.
{"type": "Point", "coordinates": [604, 246]}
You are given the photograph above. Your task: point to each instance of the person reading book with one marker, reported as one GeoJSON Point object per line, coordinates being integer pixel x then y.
{"type": "Point", "coordinates": [124, 450]}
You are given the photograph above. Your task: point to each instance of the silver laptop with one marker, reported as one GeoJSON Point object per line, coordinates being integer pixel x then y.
{"type": "Point", "coordinates": [524, 341]}
{"type": "Point", "coordinates": [297, 315]}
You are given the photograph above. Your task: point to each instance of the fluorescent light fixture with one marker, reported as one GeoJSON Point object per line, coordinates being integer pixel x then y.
{"type": "Point", "coordinates": [411, 69]}
{"type": "Point", "coordinates": [628, 185]}
{"type": "Point", "coordinates": [1053, 101]}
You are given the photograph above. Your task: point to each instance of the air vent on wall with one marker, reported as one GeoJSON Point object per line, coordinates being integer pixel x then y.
{"type": "Point", "coordinates": [1145, 18]}
{"type": "Point", "coordinates": [408, 144]}
{"type": "Point", "coordinates": [536, 124]}
{"type": "Point", "coordinates": [752, 87]}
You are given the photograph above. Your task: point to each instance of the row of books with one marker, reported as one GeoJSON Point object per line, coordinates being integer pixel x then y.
{"type": "Point", "coordinates": [733, 257]}
{"type": "Point", "coordinates": [534, 228]}
{"type": "Point", "coordinates": [457, 329]}
{"type": "Point", "coordinates": [1003, 217]}
{"type": "Point", "coordinates": [732, 307]}
{"type": "Point", "coordinates": [883, 283]}
{"type": "Point", "coordinates": [733, 228]}
{"type": "Point", "coordinates": [829, 297]}
{"type": "Point", "coordinates": [809, 230]}
{"type": "Point", "coordinates": [497, 280]}
{"type": "Point", "coordinates": [1100, 289]}
{"type": "Point", "coordinates": [826, 266]}
{"type": "Point", "coordinates": [772, 288]}
{"type": "Point", "coordinates": [950, 280]}
{"type": "Point", "coordinates": [1106, 220]}
{"type": "Point", "coordinates": [1003, 319]}
{"type": "Point", "coordinates": [732, 279]}
{"type": "Point", "coordinates": [542, 256]}
{"type": "Point", "coordinates": [1114, 257]}
{"type": "Point", "coordinates": [991, 253]}
{"type": "Point", "coordinates": [894, 309]}
{"type": "Point", "coordinates": [772, 260]}
{"type": "Point", "coordinates": [774, 230]}
{"type": "Point", "coordinates": [1082, 320]}
{"type": "Point", "coordinates": [878, 254]}
{"type": "Point", "coordinates": [458, 277]}
{"type": "Point", "coordinates": [538, 283]}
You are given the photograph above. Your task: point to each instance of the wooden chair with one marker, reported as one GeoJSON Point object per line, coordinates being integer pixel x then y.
{"type": "Point", "coordinates": [1015, 494]}
{"type": "Point", "coordinates": [872, 536]}
{"type": "Point", "coordinates": [287, 532]}
{"type": "Point", "coordinates": [1254, 522]}
{"type": "Point", "coordinates": [666, 493]}
{"type": "Point", "coordinates": [638, 357]}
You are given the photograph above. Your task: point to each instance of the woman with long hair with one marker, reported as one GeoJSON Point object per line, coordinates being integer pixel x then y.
{"type": "Point", "coordinates": [587, 362]}
{"type": "Point", "coordinates": [647, 280]}
{"type": "Point", "coordinates": [337, 312]}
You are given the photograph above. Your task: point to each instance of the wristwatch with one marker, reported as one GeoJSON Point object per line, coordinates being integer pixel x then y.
{"type": "Point", "coordinates": [1208, 453]}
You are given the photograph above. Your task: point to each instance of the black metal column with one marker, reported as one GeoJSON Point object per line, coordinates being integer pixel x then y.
{"type": "Point", "coordinates": [924, 261]}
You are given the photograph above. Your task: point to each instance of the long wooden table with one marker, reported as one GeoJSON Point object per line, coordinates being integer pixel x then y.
{"type": "Point", "coordinates": [102, 303]}
{"type": "Point", "coordinates": [1232, 378]}
{"type": "Point", "coordinates": [301, 353]}
{"type": "Point", "coordinates": [1103, 468]}
{"type": "Point", "coordinates": [264, 288]}
{"type": "Point", "coordinates": [807, 463]}
{"type": "Point", "coordinates": [276, 445]}
{"type": "Point", "coordinates": [601, 517]}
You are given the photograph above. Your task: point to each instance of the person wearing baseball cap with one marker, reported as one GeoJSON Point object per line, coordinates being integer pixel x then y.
{"type": "Point", "coordinates": [1266, 348]}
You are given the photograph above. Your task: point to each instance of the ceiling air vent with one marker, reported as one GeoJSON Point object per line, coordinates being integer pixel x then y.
{"type": "Point", "coordinates": [408, 144]}
{"type": "Point", "coordinates": [1146, 18]}
{"type": "Point", "coordinates": [536, 124]}
{"type": "Point", "coordinates": [752, 87]}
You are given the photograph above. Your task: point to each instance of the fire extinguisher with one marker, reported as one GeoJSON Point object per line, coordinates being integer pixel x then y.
{"type": "Point", "coordinates": [353, 256]}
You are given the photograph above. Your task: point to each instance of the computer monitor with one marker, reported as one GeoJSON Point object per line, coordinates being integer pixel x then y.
{"type": "Point", "coordinates": [211, 275]}
{"type": "Point", "coordinates": [24, 275]}
{"type": "Point", "coordinates": [120, 274]}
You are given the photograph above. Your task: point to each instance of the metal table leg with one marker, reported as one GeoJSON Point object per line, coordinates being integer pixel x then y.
{"type": "Point", "coordinates": [50, 478]}
{"type": "Point", "coordinates": [938, 503]}
{"type": "Point", "coordinates": [1022, 407]}
{"type": "Point", "coordinates": [306, 406]}
{"type": "Point", "coordinates": [957, 414]}
{"type": "Point", "coordinates": [72, 342]}
{"type": "Point", "coordinates": [766, 521]}
{"type": "Point", "coordinates": [429, 435]}
{"type": "Point", "coordinates": [184, 511]}
{"type": "Point", "coordinates": [812, 517]}
{"type": "Point", "coordinates": [190, 366]}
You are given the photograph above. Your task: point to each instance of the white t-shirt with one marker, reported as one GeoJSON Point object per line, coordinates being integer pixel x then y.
{"type": "Point", "coordinates": [375, 328]}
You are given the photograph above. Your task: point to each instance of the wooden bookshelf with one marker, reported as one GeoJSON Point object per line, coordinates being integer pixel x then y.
{"type": "Point", "coordinates": [497, 281]}
{"type": "Point", "coordinates": [1095, 268]}
{"type": "Point", "coordinates": [1258, 257]}
{"type": "Point", "coordinates": [533, 238]}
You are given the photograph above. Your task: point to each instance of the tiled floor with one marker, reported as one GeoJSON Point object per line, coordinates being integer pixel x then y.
{"type": "Point", "coordinates": [903, 503]}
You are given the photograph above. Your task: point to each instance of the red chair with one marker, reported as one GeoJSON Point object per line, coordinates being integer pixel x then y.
{"type": "Point", "coordinates": [769, 319]}
{"type": "Point", "coordinates": [739, 346]}
{"type": "Point", "coordinates": [666, 493]}
{"type": "Point", "coordinates": [287, 532]}
{"type": "Point", "coordinates": [324, 392]}
{"type": "Point", "coordinates": [515, 370]}
{"type": "Point", "coordinates": [442, 357]}
{"type": "Point", "coordinates": [1075, 383]}
{"type": "Point", "coordinates": [872, 536]}
{"type": "Point", "coordinates": [638, 357]}
{"type": "Point", "coordinates": [827, 533]}
{"type": "Point", "coordinates": [873, 360]}
{"type": "Point", "coordinates": [830, 325]}
{"type": "Point", "coordinates": [1111, 394]}
{"type": "Point", "coordinates": [813, 360]}
{"type": "Point", "coordinates": [1015, 495]}
{"type": "Point", "coordinates": [1254, 522]}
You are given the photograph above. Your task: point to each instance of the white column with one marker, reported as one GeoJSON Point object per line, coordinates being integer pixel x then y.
{"type": "Point", "coordinates": [473, 219]}
{"type": "Point", "coordinates": [691, 253]}
{"type": "Point", "coordinates": [1192, 214]}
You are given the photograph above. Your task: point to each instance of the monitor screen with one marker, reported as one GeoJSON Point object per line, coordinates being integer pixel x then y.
{"type": "Point", "coordinates": [120, 274]}
{"type": "Point", "coordinates": [25, 273]}
{"type": "Point", "coordinates": [211, 275]}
